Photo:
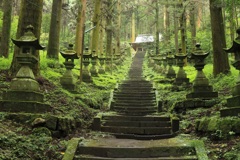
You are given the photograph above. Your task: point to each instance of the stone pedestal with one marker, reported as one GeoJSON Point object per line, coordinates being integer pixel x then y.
{"type": "Point", "coordinates": [67, 80]}
{"type": "Point", "coordinates": [181, 78]}
{"type": "Point", "coordinates": [170, 73]}
{"type": "Point", "coordinates": [93, 70]}
{"type": "Point", "coordinates": [24, 94]}
{"type": "Point", "coordinates": [101, 69]}
{"type": "Point", "coordinates": [86, 75]}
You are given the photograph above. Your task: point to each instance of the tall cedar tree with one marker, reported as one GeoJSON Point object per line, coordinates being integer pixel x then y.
{"type": "Point", "coordinates": [220, 58]}
{"type": "Point", "coordinates": [6, 28]}
{"type": "Point", "coordinates": [30, 14]}
{"type": "Point", "coordinates": [54, 35]}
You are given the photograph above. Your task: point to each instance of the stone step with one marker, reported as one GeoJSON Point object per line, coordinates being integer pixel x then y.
{"type": "Point", "coordinates": [134, 109]}
{"type": "Point", "coordinates": [134, 94]}
{"type": "Point", "coordinates": [89, 157]}
{"type": "Point", "coordinates": [135, 84]}
{"type": "Point", "coordinates": [135, 118]}
{"type": "Point", "coordinates": [137, 123]}
{"type": "Point", "coordinates": [140, 89]}
{"type": "Point", "coordinates": [136, 98]}
{"type": "Point", "coordinates": [136, 112]}
{"type": "Point", "coordinates": [137, 130]}
{"type": "Point", "coordinates": [140, 101]}
{"type": "Point", "coordinates": [135, 104]}
{"type": "Point", "coordinates": [137, 152]}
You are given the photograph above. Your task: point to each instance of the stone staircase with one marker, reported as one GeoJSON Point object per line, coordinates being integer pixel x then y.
{"type": "Point", "coordinates": [134, 109]}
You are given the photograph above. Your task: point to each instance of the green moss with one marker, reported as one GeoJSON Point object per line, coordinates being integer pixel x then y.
{"type": "Point", "coordinates": [213, 124]}
{"type": "Point", "coordinates": [203, 126]}
{"type": "Point", "coordinates": [71, 149]}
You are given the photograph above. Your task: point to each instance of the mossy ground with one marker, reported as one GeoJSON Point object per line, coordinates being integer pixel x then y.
{"type": "Point", "coordinates": [219, 144]}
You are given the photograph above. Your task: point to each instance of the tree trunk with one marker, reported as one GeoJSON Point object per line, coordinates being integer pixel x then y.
{"type": "Point", "coordinates": [54, 35]}
{"type": "Point", "coordinates": [101, 37]}
{"type": "Point", "coordinates": [183, 30]}
{"type": "Point", "coordinates": [133, 27]}
{"type": "Point", "coordinates": [157, 27]}
{"type": "Point", "coordinates": [176, 27]}
{"type": "Point", "coordinates": [193, 23]}
{"type": "Point", "coordinates": [118, 27]}
{"type": "Point", "coordinates": [96, 23]}
{"type": "Point", "coordinates": [109, 28]}
{"type": "Point", "coordinates": [167, 24]}
{"type": "Point", "coordinates": [220, 59]}
{"type": "Point", "coordinates": [80, 27]}
{"type": "Point", "coordinates": [29, 14]}
{"type": "Point", "coordinates": [199, 15]}
{"type": "Point", "coordinates": [6, 28]}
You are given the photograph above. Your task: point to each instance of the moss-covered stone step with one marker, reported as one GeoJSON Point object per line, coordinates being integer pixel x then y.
{"type": "Point", "coordinates": [134, 109]}
{"type": "Point", "coordinates": [140, 104]}
{"type": "Point", "coordinates": [136, 98]}
{"type": "Point", "coordinates": [133, 93]}
{"type": "Point", "coordinates": [139, 101]}
{"type": "Point", "coordinates": [136, 118]}
{"type": "Point", "coordinates": [137, 130]}
{"type": "Point", "coordinates": [130, 149]}
{"type": "Point", "coordinates": [89, 157]}
{"type": "Point", "coordinates": [133, 149]}
{"type": "Point", "coordinates": [137, 123]}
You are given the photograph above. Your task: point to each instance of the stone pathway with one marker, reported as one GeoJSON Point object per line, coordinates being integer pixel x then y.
{"type": "Point", "coordinates": [137, 131]}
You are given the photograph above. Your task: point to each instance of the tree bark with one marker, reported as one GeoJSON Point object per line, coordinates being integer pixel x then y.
{"type": "Point", "coordinates": [220, 58]}
{"type": "Point", "coordinates": [96, 22]}
{"type": "Point", "coordinates": [29, 14]}
{"type": "Point", "coordinates": [157, 26]}
{"type": "Point", "coordinates": [193, 23]}
{"type": "Point", "coordinates": [109, 28]}
{"type": "Point", "coordinates": [118, 34]}
{"type": "Point", "coordinates": [133, 35]}
{"type": "Point", "coordinates": [54, 34]}
{"type": "Point", "coordinates": [6, 28]}
{"type": "Point", "coordinates": [80, 27]}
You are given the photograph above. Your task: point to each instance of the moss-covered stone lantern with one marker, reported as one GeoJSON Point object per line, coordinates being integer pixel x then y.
{"type": "Point", "coordinates": [24, 94]}
{"type": "Point", "coordinates": [170, 60]}
{"type": "Point", "coordinates": [181, 77]}
{"type": "Point", "coordinates": [67, 80]}
{"type": "Point", "coordinates": [201, 87]}
{"type": "Point", "coordinates": [86, 75]}
{"type": "Point", "coordinates": [101, 69]}
{"type": "Point", "coordinates": [233, 103]}
{"type": "Point", "coordinates": [94, 60]}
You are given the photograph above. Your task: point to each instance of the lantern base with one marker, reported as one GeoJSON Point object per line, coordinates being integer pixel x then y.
{"type": "Point", "coordinates": [24, 106]}
{"type": "Point", "coordinates": [15, 95]}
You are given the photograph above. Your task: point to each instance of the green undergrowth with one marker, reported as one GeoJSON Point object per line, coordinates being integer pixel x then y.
{"type": "Point", "coordinates": [22, 141]}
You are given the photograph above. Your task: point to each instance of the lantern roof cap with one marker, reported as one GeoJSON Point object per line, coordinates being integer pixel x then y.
{"type": "Point", "coordinates": [69, 52]}
{"type": "Point", "coordinates": [28, 39]}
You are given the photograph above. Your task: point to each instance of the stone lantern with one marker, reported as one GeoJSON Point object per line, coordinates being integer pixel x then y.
{"type": "Point", "coordinates": [86, 75]}
{"type": "Point", "coordinates": [201, 87]}
{"type": "Point", "coordinates": [67, 80]}
{"type": "Point", "coordinates": [181, 77]}
{"type": "Point", "coordinates": [170, 60]}
{"type": "Point", "coordinates": [233, 103]}
{"type": "Point", "coordinates": [94, 59]}
{"type": "Point", "coordinates": [101, 69]}
{"type": "Point", "coordinates": [24, 93]}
